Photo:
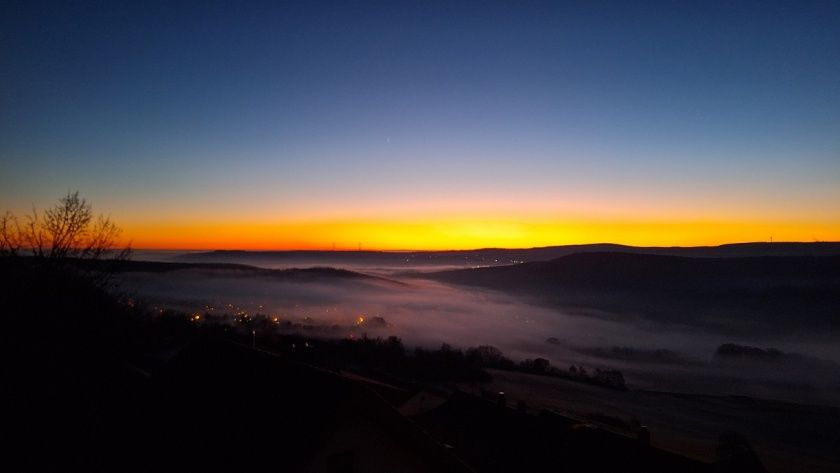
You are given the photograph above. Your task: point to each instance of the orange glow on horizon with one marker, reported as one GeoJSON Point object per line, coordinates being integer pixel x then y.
{"type": "Point", "coordinates": [458, 234]}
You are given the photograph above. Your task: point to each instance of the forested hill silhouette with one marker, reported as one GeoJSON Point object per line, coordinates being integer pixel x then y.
{"type": "Point", "coordinates": [732, 293]}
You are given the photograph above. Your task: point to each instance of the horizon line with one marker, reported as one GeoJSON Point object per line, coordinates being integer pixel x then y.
{"type": "Point", "coordinates": [499, 248]}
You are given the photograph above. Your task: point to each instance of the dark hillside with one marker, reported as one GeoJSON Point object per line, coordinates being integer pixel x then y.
{"type": "Point", "coordinates": [730, 292]}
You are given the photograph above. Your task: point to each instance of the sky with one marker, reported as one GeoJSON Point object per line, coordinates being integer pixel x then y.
{"type": "Point", "coordinates": [426, 125]}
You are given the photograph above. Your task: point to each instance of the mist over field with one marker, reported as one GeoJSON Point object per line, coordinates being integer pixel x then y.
{"type": "Point", "coordinates": [395, 300]}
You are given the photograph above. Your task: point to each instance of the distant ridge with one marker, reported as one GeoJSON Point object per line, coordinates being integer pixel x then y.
{"type": "Point", "coordinates": [243, 270]}
{"type": "Point", "coordinates": [501, 256]}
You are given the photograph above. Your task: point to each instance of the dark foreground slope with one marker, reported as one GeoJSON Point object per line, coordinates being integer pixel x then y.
{"type": "Point", "coordinates": [731, 294]}
{"type": "Point", "coordinates": [81, 393]}
{"type": "Point", "coordinates": [92, 384]}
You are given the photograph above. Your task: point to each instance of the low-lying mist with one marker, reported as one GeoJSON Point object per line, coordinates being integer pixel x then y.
{"type": "Point", "coordinates": [428, 313]}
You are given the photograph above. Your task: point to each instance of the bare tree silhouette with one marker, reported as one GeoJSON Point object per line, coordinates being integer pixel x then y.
{"type": "Point", "coordinates": [69, 231]}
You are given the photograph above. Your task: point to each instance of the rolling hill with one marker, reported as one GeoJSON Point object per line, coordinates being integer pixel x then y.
{"type": "Point", "coordinates": [734, 293]}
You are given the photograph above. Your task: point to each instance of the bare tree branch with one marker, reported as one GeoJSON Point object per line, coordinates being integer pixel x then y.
{"type": "Point", "coordinates": [10, 235]}
{"type": "Point", "coordinates": [65, 232]}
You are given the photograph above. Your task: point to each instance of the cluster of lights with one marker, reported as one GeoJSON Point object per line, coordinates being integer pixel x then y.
{"type": "Point", "coordinates": [246, 317]}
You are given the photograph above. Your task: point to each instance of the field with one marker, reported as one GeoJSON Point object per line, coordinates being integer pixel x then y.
{"type": "Point", "coordinates": [787, 437]}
